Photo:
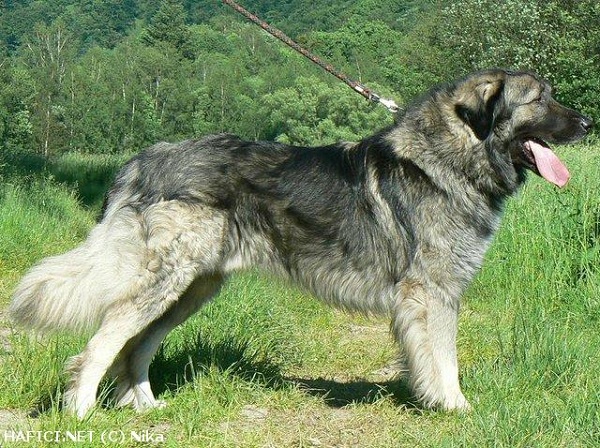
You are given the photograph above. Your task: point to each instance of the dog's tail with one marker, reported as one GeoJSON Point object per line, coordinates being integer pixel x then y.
{"type": "Point", "coordinates": [74, 290]}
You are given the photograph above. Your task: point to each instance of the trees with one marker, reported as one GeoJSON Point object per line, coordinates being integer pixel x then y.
{"type": "Point", "coordinates": [114, 75]}
{"type": "Point", "coordinates": [313, 111]}
{"type": "Point", "coordinates": [49, 55]}
{"type": "Point", "coordinates": [168, 28]}
{"type": "Point", "coordinates": [17, 92]}
{"type": "Point", "coordinates": [102, 23]}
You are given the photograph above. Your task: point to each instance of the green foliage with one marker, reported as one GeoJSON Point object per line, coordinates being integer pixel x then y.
{"type": "Point", "coordinates": [89, 81]}
{"type": "Point", "coordinates": [17, 93]}
{"type": "Point", "coordinates": [112, 76]}
{"type": "Point", "coordinates": [313, 111]}
{"type": "Point", "coordinates": [168, 27]}
{"type": "Point", "coordinates": [102, 23]}
{"type": "Point", "coordinates": [32, 221]}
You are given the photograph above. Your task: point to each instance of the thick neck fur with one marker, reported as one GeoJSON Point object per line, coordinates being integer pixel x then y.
{"type": "Point", "coordinates": [454, 156]}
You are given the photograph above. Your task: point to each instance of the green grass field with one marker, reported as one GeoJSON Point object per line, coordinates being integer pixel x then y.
{"type": "Point", "coordinates": [266, 366]}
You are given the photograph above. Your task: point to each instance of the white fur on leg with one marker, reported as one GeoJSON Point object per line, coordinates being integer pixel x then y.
{"type": "Point", "coordinates": [133, 384]}
{"type": "Point", "coordinates": [131, 368]}
{"type": "Point", "coordinates": [79, 401]}
{"type": "Point", "coordinates": [140, 397]}
{"type": "Point", "coordinates": [80, 395]}
{"type": "Point", "coordinates": [425, 326]}
{"type": "Point", "coordinates": [87, 369]}
{"type": "Point", "coordinates": [442, 326]}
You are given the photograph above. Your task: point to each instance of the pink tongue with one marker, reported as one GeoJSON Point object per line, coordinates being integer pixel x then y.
{"type": "Point", "coordinates": [549, 166]}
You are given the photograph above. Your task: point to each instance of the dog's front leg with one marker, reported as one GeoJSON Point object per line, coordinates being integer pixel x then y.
{"type": "Point", "coordinates": [425, 325]}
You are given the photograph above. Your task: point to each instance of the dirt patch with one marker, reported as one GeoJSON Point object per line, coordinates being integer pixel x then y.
{"type": "Point", "coordinates": [5, 344]}
{"type": "Point", "coordinates": [311, 427]}
{"type": "Point", "coordinates": [5, 333]}
{"type": "Point", "coordinates": [254, 413]}
{"type": "Point", "coordinates": [373, 344]}
{"type": "Point", "coordinates": [12, 419]}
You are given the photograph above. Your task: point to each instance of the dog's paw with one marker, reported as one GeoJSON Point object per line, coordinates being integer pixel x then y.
{"type": "Point", "coordinates": [160, 404]}
{"type": "Point", "coordinates": [458, 403]}
{"type": "Point", "coordinates": [138, 396]}
{"type": "Point", "coordinates": [78, 403]}
{"type": "Point", "coordinates": [146, 405]}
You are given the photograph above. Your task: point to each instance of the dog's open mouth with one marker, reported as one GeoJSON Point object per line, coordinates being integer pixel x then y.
{"type": "Point", "coordinates": [544, 162]}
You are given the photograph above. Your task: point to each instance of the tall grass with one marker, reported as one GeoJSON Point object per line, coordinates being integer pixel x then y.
{"type": "Point", "coordinates": [37, 218]}
{"type": "Point", "coordinates": [528, 344]}
{"type": "Point", "coordinates": [536, 311]}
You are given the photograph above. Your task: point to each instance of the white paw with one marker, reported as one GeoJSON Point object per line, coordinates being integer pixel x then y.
{"type": "Point", "coordinates": [458, 403]}
{"type": "Point", "coordinates": [146, 405]}
{"type": "Point", "coordinates": [78, 403]}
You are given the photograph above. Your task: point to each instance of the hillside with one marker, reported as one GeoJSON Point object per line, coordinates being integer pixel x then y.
{"type": "Point", "coordinates": [109, 76]}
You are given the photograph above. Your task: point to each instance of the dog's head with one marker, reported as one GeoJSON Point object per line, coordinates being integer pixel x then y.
{"type": "Point", "coordinates": [514, 113]}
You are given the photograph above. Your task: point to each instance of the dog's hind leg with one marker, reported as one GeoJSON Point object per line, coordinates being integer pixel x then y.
{"type": "Point", "coordinates": [425, 325]}
{"type": "Point", "coordinates": [122, 322]}
{"type": "Point", "coordinates": [181, 243]}
{"type": "Point", "coordinates": [131, 367]}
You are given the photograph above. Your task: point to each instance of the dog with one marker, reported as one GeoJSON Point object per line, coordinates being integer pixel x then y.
{"type": "Point", "coordinates": [396, 224]}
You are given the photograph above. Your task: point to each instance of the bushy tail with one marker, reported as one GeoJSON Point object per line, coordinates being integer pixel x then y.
{"type": "Point", "coordinates": [74, 290]}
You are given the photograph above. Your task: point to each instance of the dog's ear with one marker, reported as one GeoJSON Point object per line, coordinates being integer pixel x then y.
{"type": "Point", "coordinates": [478, 109]}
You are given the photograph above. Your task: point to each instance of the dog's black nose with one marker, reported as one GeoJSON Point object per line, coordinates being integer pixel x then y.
{"type": "Point", "coordinates": [586, 123]}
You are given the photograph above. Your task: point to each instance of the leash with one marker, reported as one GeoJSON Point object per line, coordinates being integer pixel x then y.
{"type": "Point", "coordinates": [356, 86]}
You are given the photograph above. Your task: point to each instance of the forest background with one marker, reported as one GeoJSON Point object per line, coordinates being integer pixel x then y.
{"type": "Point", "coordinates": [113, 76]}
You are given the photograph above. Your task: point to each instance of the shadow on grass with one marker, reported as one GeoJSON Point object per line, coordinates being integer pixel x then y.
{"type": "Point", "coordinates": [241, 361]}
{"type": "Point", "coordinates": [338, 394]}
{"type": "Point", "coordinates": [170, 373]}
{"type": "Point", "coordinates": [89, 175]}
{"type": "Point", "coordinates": [47, 402]}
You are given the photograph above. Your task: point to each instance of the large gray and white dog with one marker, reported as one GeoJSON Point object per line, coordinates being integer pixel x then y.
{"type": "Point", "coordinates": [396, 224]}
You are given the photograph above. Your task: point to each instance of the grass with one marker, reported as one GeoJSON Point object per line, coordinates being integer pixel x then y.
{"type": "Point", "coordinates": [266, 366]}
